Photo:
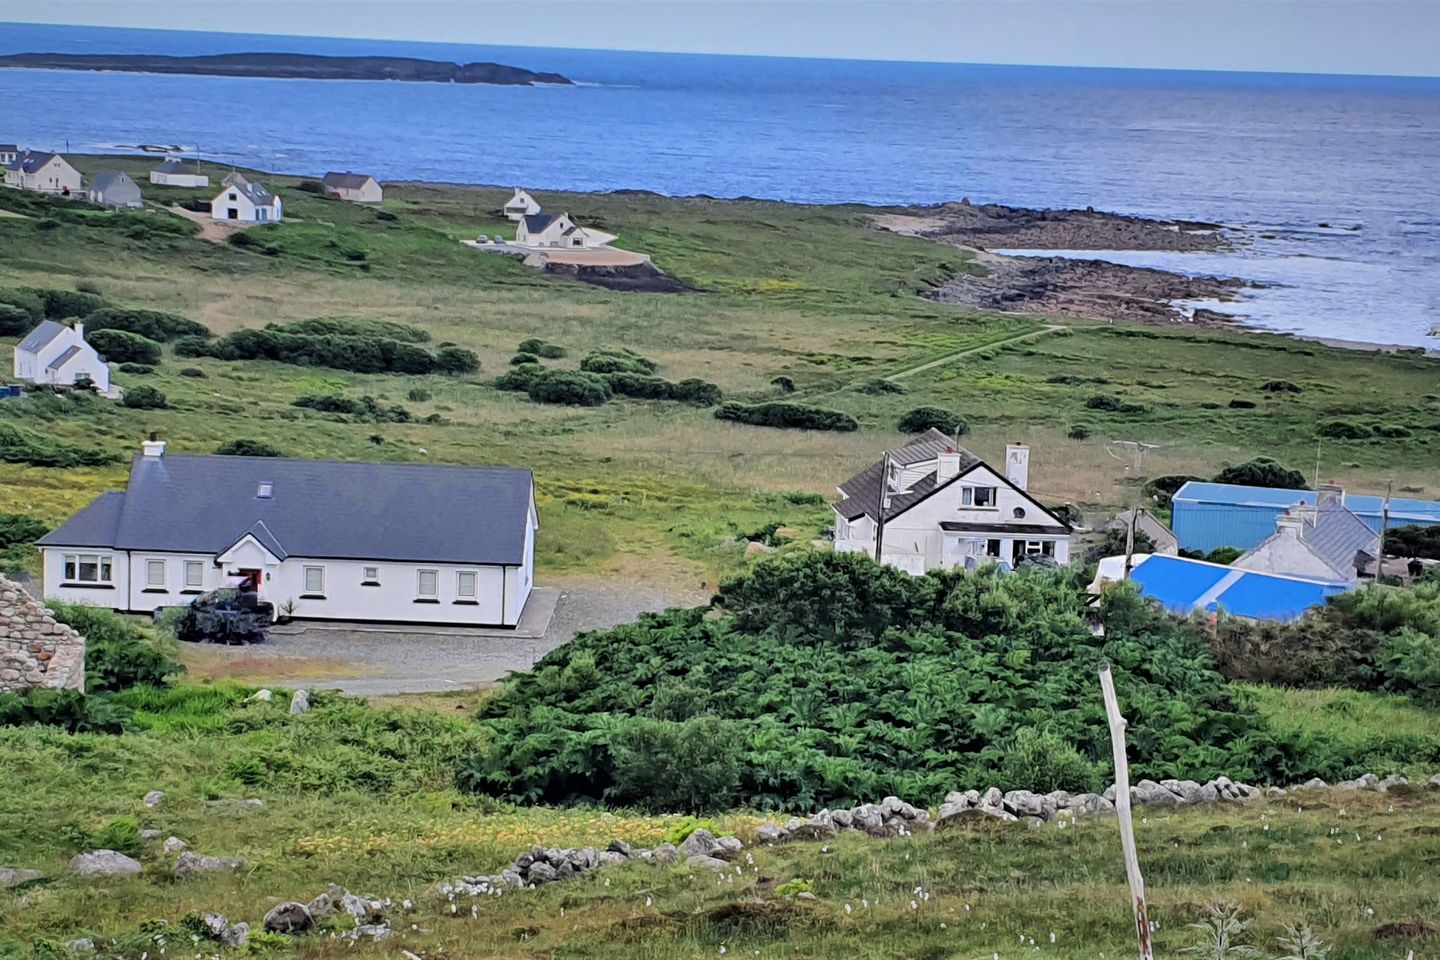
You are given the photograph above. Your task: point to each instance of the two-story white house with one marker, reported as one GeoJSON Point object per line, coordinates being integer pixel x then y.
{"type": "Point", "coordinates": [545, 230]}
{"type": "Point", "coordinates": [933, 505]}
{"type": "Point", "coordinates": [43, 173]}
{"type": "Point", "coordinates": [57, 355]}
{"type": "Point", "coordinates": [521, 205]}
{"type": "Point", "coordinates": [321, 539]}
{"type": "Point", "coordinates": [240, 201]}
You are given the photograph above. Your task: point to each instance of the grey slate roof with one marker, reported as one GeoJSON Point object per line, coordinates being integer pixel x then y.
{"type": "Point", "coordinates": [1337, 535]}
{"type": "Point", "coordinates": [173, 165]}
{"type": "Point", "coordinates": [63, 357]}
{"type": "Point", "coordinates": [535, 222]}
{"type": "Point", "coordinates": [30, 161]}
{"type": "Point", "coordinates": [345, 181]}
{"type": "Point", "coordinates": [326, 509]}
{"type": "Point", "coordinates": [108, 180]}
{"type": "Point", "coordinates": [36, 339]}
{"type": "Point", "coordinates": [255, 192]}
{"type": "Point", "coordinates": [862, 491]}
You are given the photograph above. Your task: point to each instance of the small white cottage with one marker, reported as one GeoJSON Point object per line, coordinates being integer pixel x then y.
{"type": "Point", "coordinates": [174, 173]}
{"type": "Point", "coordinates": [8, 153]}
{"type": "Point", "coordinates": [321, 539]}
{"type": "Point", "coordinates": [521, 205]}
{"type": "Point", "coordinates": [354, 187]}
{"type": "Point", "coordinates": [544, 230]}
{"type": "Point", "coordinates": [57, 355]}
{"type": "Point", "coordinates": [114, 188]}
{"type": "Point", "coordinates": [933, 504]}
{"type": "Point", "coordinates": [241, 201]}
{"type": "Point", "coordinates": [43, 173]}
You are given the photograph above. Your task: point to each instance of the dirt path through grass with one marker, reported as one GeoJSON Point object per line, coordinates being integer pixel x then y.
{"type": "Point", "coordinates": [1050, 328]}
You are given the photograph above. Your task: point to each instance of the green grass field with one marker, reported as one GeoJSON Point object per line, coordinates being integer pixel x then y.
{"type": "Point", "coordinates": [363, 797]}
{"type": "Point", "coordinates": [808, 292]}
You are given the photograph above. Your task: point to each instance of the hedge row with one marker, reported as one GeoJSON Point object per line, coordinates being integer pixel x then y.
{"type": "Point", "coordinates": [797, 416]}
{"type": "Point", "coordinates": [362, 354]}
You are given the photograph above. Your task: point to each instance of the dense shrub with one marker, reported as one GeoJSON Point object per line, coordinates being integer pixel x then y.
{"type": "Point", "coordinates": [453, 359]}
{"type": "Point", "coordinates": [117, 346]}
{"type": "Point", "coordinates": [64, 304]}
{"type": "Point", "coordinates": [1163, 488]}
{"type": "Point", "coordinates": [241, 447]}
{"type": "Point", "coordinates": [837, 681]}
{"type": "Point", "coordinates": [1238, 404]}
{"type": "Point", "coordinates": [21, 445]}
{"type": "Point", "coordinates": [794, 416]}
{"type": "Point", "coordinates": [1409, 541]}
{"type": "Point", "coordinates": [1279, 386]}
{"type": "Point", "coordinates": [1067, 513]}
{"type": "Point", "coordinates": [783, 384]}
{"type": "Point", "coordinates": [20, 528]}
{"type": "Point", "coordinates": [617, 361]}
{"type": "Point", "coordinates": [1110, 403]}
{"type": "Point", "coordinates": [1225, 555]}
{"type": "Point", "coordinates": [14, 321]}
{"type": "Point", "coordinates": [144, 398]}
{"type": "Point", "coordinates": [418, 394]}
{"type": "Point", "coordinates": [540, 348]}
{"type": "Point", "coordinates": [194, 373]}
{"type": "Point", "coordinates": [151, 324]}
{"type": "Point", "coordinates": [692, 391]}
{"type": "Point", "coordinates": [1078, 431]}
{"type": "Point", "coordinates": [118, 654]}
{"type": "Point", "coordinates": [520, 358]}
{"type": "Point", "coordinates": [1343, 430]}
{"type": "Point", "coordinates": [28, 302]}
{"type": "Point", "coordinates": [138, 369]}
{"type": "Point", "coordinates": [70, 710]}
{"type": "Point", "coordinates": [700, 393]}
{"type": "Point", "coordinates": [1262, 472]}
{"type": "Point", "coordinates": [569, 387]}
{"type": "Point", "coordinates": [364, 410]}
{"type": "Point", "coordinates": [362, 354]}
{"type": "Point", "coordinates": [932, 418]}
{"type": "Point", "coordinates": [1391, 430]}
{"type": "Point", "coordinates": [353, 327]}
{"type": "Point", "coordinates": [311, 186]}
{"type": "Point", "coordinates": [880, 386]}
{"type": "Point", "coordinates": [518, 378]}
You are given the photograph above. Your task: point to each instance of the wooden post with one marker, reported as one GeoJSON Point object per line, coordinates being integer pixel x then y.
{"type": "Point", "coordinates": [1122, 812]}
{"type": "Point", "coordinates": [884, 506]}
{"type": "Point", "coordinates": [1384, 529]}
{"type": "Point", "coordinates": [1130, 542]}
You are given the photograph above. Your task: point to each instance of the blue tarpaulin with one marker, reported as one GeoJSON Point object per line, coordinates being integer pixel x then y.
{"type": "Point", "coordinates": [1182, 586]}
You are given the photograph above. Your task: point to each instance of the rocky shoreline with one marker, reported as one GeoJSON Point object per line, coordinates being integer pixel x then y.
{"type": "Point", "coordinates": [1066, 287]}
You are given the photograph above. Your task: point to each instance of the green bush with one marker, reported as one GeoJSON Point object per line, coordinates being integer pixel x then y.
{"type": "Point", "coordinates": [194, 373]}
{"type": "Point", "coordinates": [1279, 386]}
{"type": "Point", "coordinates": [117, 346]}
{"type": "Point", "coordinates": [518, 378]}
{"type": "Point", "coordinates": [1391, 430]}
{"type": "Point", "coordinates": [1110, 403]}
{"type": "Point", "coordinates": [1414, 540]}
{"type": "Point", "coordinates": [311, 186]}
{"type": "Point", "coordinates": [568, 387]}
{"type": "Point", "coordinates": [21, 445]}
{"type": "Point", "coordinates": [1225, 555]}
{"type": "Point", "coordinates": [791, 416]}
{"type": "Point", "coordinates": [361, 354]}
{"type": "Point", "coordinates": [520, 358]}
{"type": "Point", "coordinates": [418, 394]}
{"type": "Point", "coordinates": [783, 384]}
{"type": "Point", "coordinates": [70, 710]}
{"type": "Point", "coordinates": [247, 448]}
{"type": "Point", "coordinates": [20, 528]}
{"type": "Point", "coordinates": [118, 654]}
{"type": "Point", "coordinates": [65, 304]}
{"type": "Point", "coordinates": [14, 321]}
{"type": "Point", "coordinates": [540, 348]}
{"type": "Point", "coordinates": [692, 391]}
{"type": "Point", "coordinates": [151, 324]}
{"type": "Point", "coordinates": [1078, 431]}
{"type": "Point", "coordinates": [365, 410]}
{"type": "Point", "coordinates": [138, 369]}
{"type": "Point", "coordinates": [530, 345]}
{"type": "Point", "coordinates": [933, 418]}
{"type": "Point", "coordinates": [453, 359]}
{"type": "Point", "coordinates": [699, 393]}
{"type": "Point", "coordinates": [121, 834]}
{"type": "Point", "coordinates": [144, 398]}
{"type": "Point", "coordinates": [1067, 513]}
{"type": "Point", "coordinates": [1343, 430]}
{"type": "Point", "coordinates": [880, 386]}
{"type": "Point", "coordinates": [1262, 472]}
{"type": "Point", "coordinates": [666, 765]}
{"type": "Point", "coordinates": [1163, 488]}
{"type": "Point", "coordinates": [1047, 762]}
{"type": "Point", "coordinates": [617, 361]}
{"type": "Point", "coordinates": [352, 327]}
{"type": "Point", "coordinates": [27, 301]}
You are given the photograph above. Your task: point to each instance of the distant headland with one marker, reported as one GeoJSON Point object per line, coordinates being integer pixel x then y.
{"type": "Point", "coordinates": [289, 65]}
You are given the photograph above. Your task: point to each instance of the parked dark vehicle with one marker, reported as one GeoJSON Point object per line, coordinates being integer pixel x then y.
{"type": "Point", "coordinates": [227, 615]}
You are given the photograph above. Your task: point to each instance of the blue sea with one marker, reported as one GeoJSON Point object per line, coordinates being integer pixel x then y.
{"type": "Point", "coordinates": [1272, 156]}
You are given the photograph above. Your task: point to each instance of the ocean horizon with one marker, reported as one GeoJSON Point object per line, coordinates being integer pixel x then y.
{"type": "Point", "coordinates": [1326, 181]}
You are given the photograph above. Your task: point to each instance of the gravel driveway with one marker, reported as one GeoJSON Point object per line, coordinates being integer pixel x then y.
{"type": "Point", "coordinates": [424, 660]}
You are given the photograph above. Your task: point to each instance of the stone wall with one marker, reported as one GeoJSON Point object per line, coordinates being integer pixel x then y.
{"type": "Point", "coordinates": [35, 650]}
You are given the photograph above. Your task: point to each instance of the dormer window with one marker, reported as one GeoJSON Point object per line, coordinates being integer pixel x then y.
{"type": "Point", "coordinates": [265, 490]}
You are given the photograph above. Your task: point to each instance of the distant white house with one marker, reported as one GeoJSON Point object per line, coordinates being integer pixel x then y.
{"type": "Point", "coordinates": [521, 205]}
{"type": "Point", "coordinates": [943, 507]}
{"type": "Point", "coordinates": [43, 173]}
{"type": "Point", "coordinates": [544, 230]}
{"type": "Point", "coordinates": [8, 153]}
{"type": "Point", "coordinates": [317, 539]}
{"type": "Point", "coordinates": [240, 201]}
{"type": "Point", "coordinates": [58, 355]}
{"type": "Point", "coordinates": [1325, 541]}
{"type": "Point", "coordinates": [114, 188]}
{"type": "Point", "coordinates": [355, 187]}
{"type": "Point", "coordinates": [174, 173]}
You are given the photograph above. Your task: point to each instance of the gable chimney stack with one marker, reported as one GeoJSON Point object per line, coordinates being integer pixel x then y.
{"type": "Point", "coordinates": [154, 447]}
{"type": "Point", "coordinates": [947, 465]}
{"type": "Point", "coordinates": [1017, 464]}
{"type": "Point", "coordinates": [1329, 495]}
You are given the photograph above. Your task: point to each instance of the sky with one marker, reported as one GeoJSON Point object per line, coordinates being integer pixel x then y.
{"type": "Point", "coordinates": [1387, 37]}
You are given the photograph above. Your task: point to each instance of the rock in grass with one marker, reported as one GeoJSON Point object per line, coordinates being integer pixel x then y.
{"type": "Point", "coordinates": [289, 917]}
{"type": "Point", "coordinates": [955, 815]}
{"type": "Point", "coordinates": [1392, 781]}
{"type": "Point", "coordinates": [80, 945]}
{"type": "Point", "coordinates": [300, 701]}
{"type": "Point", "coordinates": [190, 863]}
{"type": "Point", "coordinates": [700, 843]}
{"type": "Point", "coordinates": [13, 876]}
{"type": "Point", "coordinates": [238, 935]}
{"type": "Point", "coordinates": [770, 833]}
{"type": "Point", "coordinates": [153, 798]}
{"type": "Point", "coordinates": [665, 854]}
{"type": "Point", "coordinates": [1434, 781]}
{"type": "Point", "coordinates": [174, 845]}
{"type": "Point", "coordinates": [150, 833]}
{"type": "Point", "coordinates": [541, 872]}
{"type": "Point", "coordinates": [713, 863]}
{"type": "Point", "coordinates": [104, 863]}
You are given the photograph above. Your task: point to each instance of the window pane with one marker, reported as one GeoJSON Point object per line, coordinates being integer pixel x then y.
{"type": "Point", "coordinates": [465, 585]}
{"type": "Point", "coordinates": [314, 579]}
{"type": "Point", "coordinates": [89, 568]}
{"type": "Point", "coordinates": [429, 583]}
{"type": "Point", "coordinates": [194, 574]}
{"type": "Point", "coordinates": [155, 573]}
{"type": "Point", "coordinates": [967, 495]}
{"type": "Point", "coordinates": [70, 566]}
{"type": "Point", "coordinates": [105, 576]}
{"type": "Point", "coordinates": [984, 496]}
{"type": "Point", "coordinates": [371, 574]}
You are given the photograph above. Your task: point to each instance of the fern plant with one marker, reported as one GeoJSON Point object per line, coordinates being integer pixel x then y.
{"type": "Point", "coordinates": [1302, 944]}
{"type": "Point", "coordinates": [1220, 933]}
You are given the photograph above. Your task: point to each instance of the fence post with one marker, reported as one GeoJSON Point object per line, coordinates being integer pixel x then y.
{"type": "Point", "coordinates": [1122, 813]}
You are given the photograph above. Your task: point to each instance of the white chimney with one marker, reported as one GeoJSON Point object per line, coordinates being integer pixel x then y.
{"type": "Point", "coordinates": [1329, 495]}
{"type": "Point", "coordinates": [1290, 523]}
{"type": "Point", "coordinates": [947, 465]}
{"type": "Point", "coordinates": [80, 329]}
{"type": "Point", "coordinates": [1017, 464]}
{"type": "Point", "coordinates": [153, 447]}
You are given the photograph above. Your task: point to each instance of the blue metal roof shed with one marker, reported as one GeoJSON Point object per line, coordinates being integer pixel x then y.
{"type": "Point", "coordinates": [1182, 586]}
{"type": "Point", "coordinates": [1209, 515]}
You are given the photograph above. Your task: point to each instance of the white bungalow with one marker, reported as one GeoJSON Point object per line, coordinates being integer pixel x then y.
{"type": "Point", "coordinates": [320, 539]}
{"type": "Point", "coordinates": [241, 201]}
{"type": "Point", "coordinates": [521, 205]}
{"type": "Point", "coordinates": [114, 188]}
{"type": "Point", "coordinates": [174, 173]}
{"type": "Point", "coordinates": [544, 230]}
{"type": "Point", "coordinates": [8, 153]}
{"type": "Point", "coordinates": [940, 506]}
{"type": "Point", "coordinates": [354, 187]}
{"type": "Point", "coordinates": [57, 355]}
{"type": "Point", "coordinates": [43, 173]}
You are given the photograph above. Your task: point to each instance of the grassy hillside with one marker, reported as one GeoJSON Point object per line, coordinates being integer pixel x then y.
{"type": "Point", "coordinates": [363, 797]}
{"type": "Point", "coordinates": [810, 293]}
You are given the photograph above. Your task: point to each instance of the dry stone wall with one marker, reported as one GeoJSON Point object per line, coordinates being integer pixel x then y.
{"type": "Point", "coordinates": [36, 650]}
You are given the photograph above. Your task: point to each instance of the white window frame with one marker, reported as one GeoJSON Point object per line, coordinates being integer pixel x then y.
{"type": "Point", "coordinates": [420, 575]}
{"type": "Point", "coordinates": [370, 576]}
{"type": "Point", "coordinates": [71, 563]}
{"type": "Point", "coordinates": [198, 568]}
{"type": "Point", "coordinates": [319, 571]}
{"type": "Point", "coordinates": [460, 593]}
{"type": "Point", "coordinates": [992, 493]}
{"type": "Point", "coordinates": [151, 565]}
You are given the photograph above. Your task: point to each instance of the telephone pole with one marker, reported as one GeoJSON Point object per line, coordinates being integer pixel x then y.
{"type": "Point", "coordinates": [1384, 526]}
{"type": "Point", "coordinates": [1137, 450]}
{"type": "Point", "coordinates": [884, 505]}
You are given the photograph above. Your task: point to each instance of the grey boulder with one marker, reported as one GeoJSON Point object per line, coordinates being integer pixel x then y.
{"type": "Point", "coordinates": [289, 917]}
{"type": "Point", "coordinates": [300, 701]}
{"type": "Point", "coordinates": [174, 845]}
{"type": "Point", "coordinates": [237, 936]}
{"type": "Point", "coordinates": [104, 863]}
{"type": "Point", "coordinates": [190, 863]}
{"type": "Point", "coordinates": [13, 876]}
{"type": "Point", "coordinates": [770, 833]}
{"type": "Point", "coordinates": [153, 798]}
{"type": "Point", "coordinates": [713, 863]}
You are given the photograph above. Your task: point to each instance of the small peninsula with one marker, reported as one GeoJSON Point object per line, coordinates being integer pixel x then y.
{"type": "Point", "coordinates": [289, 65]}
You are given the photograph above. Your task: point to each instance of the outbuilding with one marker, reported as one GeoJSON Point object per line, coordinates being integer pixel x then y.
{"type": "Point", "coordinates": [174, 173]}
{"type": "Point", "coordinates": [355, 187]}
{"type": "Point", "coordinates": [114, 188]}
